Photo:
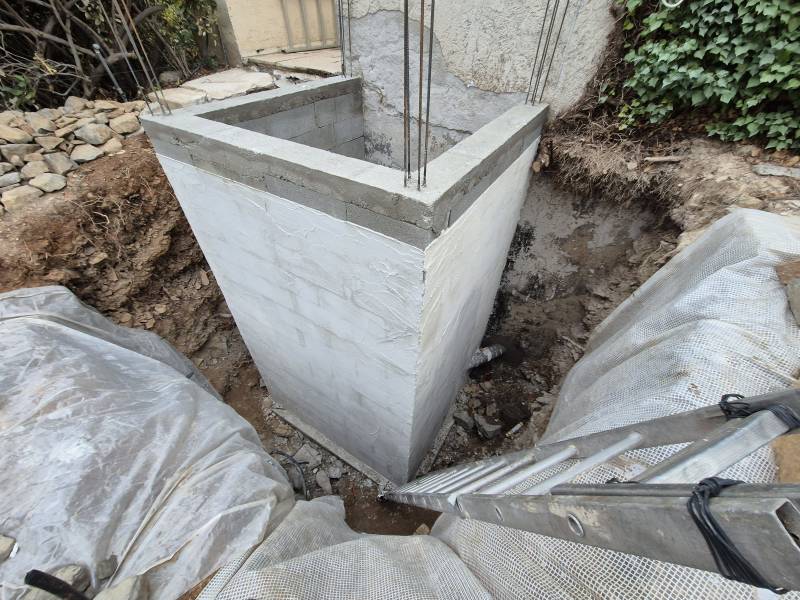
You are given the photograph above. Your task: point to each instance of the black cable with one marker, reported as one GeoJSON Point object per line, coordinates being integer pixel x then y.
{"type": "Point", "coordinates": [738, 410]}
{"type": "Point", "coordinates": [53, 585]}
{"type": "Point", "coordinates": [296, 464]}
{"type": "Point", "coordinates": [730, 562]}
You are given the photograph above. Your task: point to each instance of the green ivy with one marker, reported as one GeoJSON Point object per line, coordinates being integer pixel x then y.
{"type": "Point", "coordinates": [737, 59]}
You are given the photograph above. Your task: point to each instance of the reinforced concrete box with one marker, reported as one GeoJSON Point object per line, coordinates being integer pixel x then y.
{"type": "Point", "coordinates": [361, 300]}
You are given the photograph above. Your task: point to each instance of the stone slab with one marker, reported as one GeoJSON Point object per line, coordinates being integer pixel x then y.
{"type": "Point", "coordinates": [231, 83]}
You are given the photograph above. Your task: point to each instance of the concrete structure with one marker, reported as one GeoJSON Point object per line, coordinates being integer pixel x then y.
{"type": "Point", "coordinates": [254, 27]}
{"type": "Point", "coordinates": [482, 59]}
{"type": "Point", "coordinates": [361, 300]}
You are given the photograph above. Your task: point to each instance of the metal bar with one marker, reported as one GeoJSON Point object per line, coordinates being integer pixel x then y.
{"type": "Point", "coordinates": [419, 91]}
{"type": "Point", "coordinates": [406, 131]}
{"type": "Point", "coordinates": [138, 53]}
{"type": "Point", "coordinates": [674, 429]}
{"type": "Point", "coordinates": [658, 526]}
{"type": "Point", "coordinates": [546, 45]}
{"type": "Point", "coordinates": [107, 69]}
{"type": "Point", "coordinates": [349, 35]}
{"type": "Point", "coordinates": [457, 476]}
{"type": "Point", "coordinates": [454, 484]}
{"type": "Point", "coordinates": [555, 47]}
{"type": "Point", "coordinates": [716, 452]}
{"type": "Point", "coordinates": [493, 475]}
{"type": "Point", "coordinates": [527, 472]}
{"type": "Point", "coordinates": [536, 58]}
{"type": "Point", "coordinates": [629, 442]}
{"type": "Point", "coordinates": [428, 97]}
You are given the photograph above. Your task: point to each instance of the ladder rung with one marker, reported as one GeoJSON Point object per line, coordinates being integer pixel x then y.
{"type": "Point", "coordinates": [719, 450]}
{"type": "Point", "coordinates": [590, 462]}
{"type": "Point", "coordinates": [454, 484]}
{"type": "Point", "coordinates": [466, 487]}
{"type": "Point", "coordinates": [526, 472]}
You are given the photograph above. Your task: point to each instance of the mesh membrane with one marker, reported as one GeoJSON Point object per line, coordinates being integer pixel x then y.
{"type": "Point", "coordinates": [714, 320]}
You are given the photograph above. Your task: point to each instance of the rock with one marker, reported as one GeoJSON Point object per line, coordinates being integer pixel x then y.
{"type": "Point", "coordinates": [34, 168]}
{"type": "Point", "coordinates": [102, 119]}
{"type": "Point", "coordinates": [17, 161]}
{"type": "Point", "coordinates": [12, 118]}
{"type": "Point", "coordinates": [51, 113]}
{"type": "Point", "coordinates": [134, 105]}
{"type": "Point", "coordinates": [59, 163]}
{"type": "Point", "coordinates": [94, 133]}
{"type": "Point", "coordinates": [75, 575]}
{"type": "Point", "coordinates": [40, 124]}
{"type": "Point", "coordinates": [49, 142]}
{"type": "Point", "coordinates": [49, 182]}
{"type": "Point", "coordinates": [127, 123]}
{"type": "Point", "coordinates": [132, 588]}
{"type": "Point", "coordinates": [139, 131]}
{"type": "Point", "coordinates": [6, 546]}
{"type": "Point", "coordinates": [324, 482]}
{"type": "Point", "coordinates": [10, 179]}
{"type": "Point", "coordinates": [747, 201]}
{"type": "Point", "coordinates": [178, 97]}
{"type": "Point", "coordinates": [422, 530]}
{"type": "Point", "coordinates": [17, 197]}
{"type": "Point", "coordinates": [6, 167]}
{"type": "Point", "coordinates": [74, 104]}
{"type": "Point", "coordinates": [169, 78]}
{"type": "Point", "coordinates": [308, 455]}
{"type": "Point", "coordinates": [281, 428]}
{"type": "Point", "coordinates": [85, 153]}
{"type": "Point", "coordinates": [335, 471]}
{"type": "Point", "coordinates": [463, 418]}
{"type": "Point", "coordinates": [111, 146]}
{"type": "Point", "coordinates": [64, 121]}
{"type": "Point", "coordinates": [760, 169]}
{"type": "Point", "coordinates": [14, 135]}
{"type": "Point", "coordinates": [486, 429]}
{"type": "Point", "coordinates": [107, 104]}
{"type": "Point", "coordinates": [97, 258]}
{"type": "Point", "coordinates": [491, 409]}
{"type": "Point", "coordinates": [230, 83]}
{"type": "Point", "coordinates": [113, 114]}
{"type": "Point", "coordinates": [105, 568]}
{"type": "Point", "coordinates": [33, 156]}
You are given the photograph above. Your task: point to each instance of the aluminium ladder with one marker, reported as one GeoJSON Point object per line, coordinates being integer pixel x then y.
{"type": "Point", "coordinates": [648, 516]}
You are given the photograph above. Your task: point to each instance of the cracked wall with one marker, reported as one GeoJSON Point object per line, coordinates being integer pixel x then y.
{"type": "Point", "coordinates": [482, 59]}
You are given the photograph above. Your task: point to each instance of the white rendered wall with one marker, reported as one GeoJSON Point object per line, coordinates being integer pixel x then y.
{"type": "Point", "coordinates": [463, 267]}
{"type": "Point", "coordinates": [328, 309]}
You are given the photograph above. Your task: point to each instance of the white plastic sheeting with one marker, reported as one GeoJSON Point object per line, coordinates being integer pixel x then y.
{"type": "Point", "coordinates": [714, 320]}
{"type": "Point", "coordinates": [112, 443]}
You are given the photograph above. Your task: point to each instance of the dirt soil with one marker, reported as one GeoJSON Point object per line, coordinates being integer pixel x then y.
{"type": "Point", "coordinates": [117, 237]}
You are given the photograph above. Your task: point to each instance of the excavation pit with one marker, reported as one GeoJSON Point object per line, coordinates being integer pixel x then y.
{"type": "Point", "coordinates": [360, 299]}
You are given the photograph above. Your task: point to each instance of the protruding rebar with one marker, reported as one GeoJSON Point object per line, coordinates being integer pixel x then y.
{"type": "Point", "coordinates": [340, 19]}
{"type": "Point", "coordinates": [538, 45]}
{"type": "Point", "coordinates": [428, 97]}
{"type": "Point", "coordinates": [125, 53]}
{"type": "Point", "coordinates": [555, 47]}
{"type": "Point", "coordinates": [406, 130]}
{"type": "Point", "coordinates": [101, 58]}
{"type": "Point", "coordinates": [546, 47]}
{"type": "Point", "coordinates": [419, 94]}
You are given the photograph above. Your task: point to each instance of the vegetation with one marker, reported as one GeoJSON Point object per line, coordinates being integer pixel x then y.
{"type": "Point", "coordinates": [46, 46]}
{"type": "Point", "coordinates": [738, 60]}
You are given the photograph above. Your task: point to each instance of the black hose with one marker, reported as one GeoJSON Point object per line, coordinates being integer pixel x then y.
{"type": "Point", "coordinates": [296, 465]}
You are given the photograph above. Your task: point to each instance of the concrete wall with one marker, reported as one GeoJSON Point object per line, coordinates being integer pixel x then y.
{"type": "Point", "coordinates": [360, 299]}
{"type": "Point", "coordinates": [253, 27]}
{"type": "Point", "coordinates": [483, 54]}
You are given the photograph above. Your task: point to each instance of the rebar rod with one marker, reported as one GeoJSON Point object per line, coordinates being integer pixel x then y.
{"type": "Point", "coordinates": [538, 44]}
{"type": "Point", "coordinates": [555, 47]}
{"type": "Point", "coordinates": [147, 59]}
{"type": "Point", "coordinates": [546, 47]}
{"type": "Point", "coordinates": [340, 19]}
{"type": "Point", "coordinates": [428, 97]}
{"type": "Point", "coordinates": [107, 69]}
{"type": "Point", "coordinates": [349, 35]}
{"type": "Point", "coordinates": [135, 48]}
{"type": "Point", "coordinates": [406, 146]}
{"type": "Point", "coordinates": [419, 91]}
{"type": "Point", "coordinates": [125, 53]}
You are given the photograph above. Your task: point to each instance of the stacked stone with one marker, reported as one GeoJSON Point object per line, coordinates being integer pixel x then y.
{"type": "Point", "coordinates": [39, 148]}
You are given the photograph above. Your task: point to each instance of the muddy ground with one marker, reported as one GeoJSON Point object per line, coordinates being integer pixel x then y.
{"type": "Point", "coordinates": [117, 237]}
